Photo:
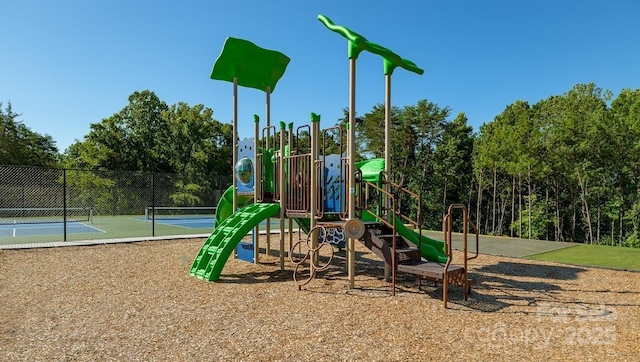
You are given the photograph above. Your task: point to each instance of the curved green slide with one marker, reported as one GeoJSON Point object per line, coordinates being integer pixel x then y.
{"type": "Point", "coordinates": [224, 209]}
{"type": "Point", "coordinates": [225, 237]}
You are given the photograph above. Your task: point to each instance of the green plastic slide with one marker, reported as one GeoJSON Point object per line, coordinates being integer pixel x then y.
{"type": "Point", "coordinates": [225, 237]}
{"type": "Point", "coordinates": [224, 208]}
{"type": "Point", "coordinates": [432, 250]}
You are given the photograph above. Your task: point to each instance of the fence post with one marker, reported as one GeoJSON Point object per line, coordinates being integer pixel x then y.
{"type": "Point", "coordinates": [153, 204]}
{"type": "Point", "coordinates": [64, 204]}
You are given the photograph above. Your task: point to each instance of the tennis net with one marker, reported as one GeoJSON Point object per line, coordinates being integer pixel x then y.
{"type": "Point", "coordinates": [41, 215]}
{"type": "Point", "coordinates": [179, 212]}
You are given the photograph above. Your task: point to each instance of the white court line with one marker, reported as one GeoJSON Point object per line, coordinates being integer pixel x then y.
{"type": "Point", "coordinates": [57, 225]}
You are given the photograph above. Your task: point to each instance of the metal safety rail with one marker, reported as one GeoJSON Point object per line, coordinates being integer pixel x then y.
{"type": "Point", "coordinates": [362, 204]}
{"type": "Point", "coordinates": [448, 230]}
{"type": "Point", "coordinates": [297, 193]}
{"type": "Point", "coordinates": [266, 193]}
{"type": "Point", "coordinates": [398, 191]}
{"type": "Point", "coordinates": [339, 185]}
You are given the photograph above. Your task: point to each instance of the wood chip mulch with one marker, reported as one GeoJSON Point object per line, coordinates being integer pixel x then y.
{"type": "Point", "coordinates": [137, 302]}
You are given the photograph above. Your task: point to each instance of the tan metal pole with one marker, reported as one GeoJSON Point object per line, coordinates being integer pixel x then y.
{"type": "Point", "coordinates": [387, 156]}
{"type": "Point", "coordinates": [257, 176]}
{"type": "Point", "coordinates": [290, 135]}
{"type": "Point", "coordinates": [351, 155]}
{"type": "Point", "coordinates": [281, 184]}
{"type": "Point", "coordinates": [314, 186]}
{"type": "Point", "coordinates": [235, 143]}
{"type": "Point", "coordinates": [268, 111]}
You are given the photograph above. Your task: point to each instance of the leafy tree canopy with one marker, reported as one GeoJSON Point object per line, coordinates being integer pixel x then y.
{"type": "Point", "coordinates": [21, 145]}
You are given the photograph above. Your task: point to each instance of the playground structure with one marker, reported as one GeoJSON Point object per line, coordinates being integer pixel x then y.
{"type": "Point", "coordinates": [287, 173]}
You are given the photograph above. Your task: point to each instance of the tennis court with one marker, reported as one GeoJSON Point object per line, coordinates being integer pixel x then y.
{"type": "Point", "coordinates": [17, 222]}
{"type": "Point", "coordinates": [184, 217]}
{"type": "Point", "coordinates": [187, 223]}
{"type": "Point", "coordinates": [46, 228]}
{"type": "Point", "coordinates": [189, 217]}
{"type": "Point", "coordinates": [204, 223]}
{"type": "Point", "coordinates": [44, 225]}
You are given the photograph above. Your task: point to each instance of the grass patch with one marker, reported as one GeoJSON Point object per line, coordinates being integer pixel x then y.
{"type": "Point", "coordinates": [594, 255]}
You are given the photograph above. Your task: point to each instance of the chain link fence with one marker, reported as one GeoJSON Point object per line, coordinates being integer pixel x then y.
{"type": "Point", "coordinates": [52, 204]}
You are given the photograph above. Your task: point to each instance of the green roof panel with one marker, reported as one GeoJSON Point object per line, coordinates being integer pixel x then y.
{"type": "Point", "coordinates": [255, 67]}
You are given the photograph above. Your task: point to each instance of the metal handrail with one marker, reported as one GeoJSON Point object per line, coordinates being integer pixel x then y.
{"type": "Point", "coordinates": [268, 142]}
{"type": "Point", "coordinates": [320, 196]}
{"type": "Point", "coordinates": [391, 224]}
{"type": "Point", "coordinates": [298, 139]}
{"type": "Point", "coordinates": [477, 232]}
{"type": "Point", "coordinates": [416, 223]}
{"type": "Point", "coordinates": [257, 179]}
{"type": "Point", "coordinates": [342, 214]}
{"type": "Point", "coordinates": [299, 183]}
{"type": "Point", "coordinates": [448, 230]}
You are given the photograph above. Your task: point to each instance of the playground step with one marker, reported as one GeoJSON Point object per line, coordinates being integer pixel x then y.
{"type": "Point", "coordinates": [430, 270]}
{"type": "Point", "coordinates": [383, 248]}
{"type": "Point", "coordinates": [400, 241]}
{"type": "Point", "coordinates": [408, 254]}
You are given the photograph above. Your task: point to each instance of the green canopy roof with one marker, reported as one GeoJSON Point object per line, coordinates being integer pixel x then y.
{"type": "Point", "coordinates": [255, 67]}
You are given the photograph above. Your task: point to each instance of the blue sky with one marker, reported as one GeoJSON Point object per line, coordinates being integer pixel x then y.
{"type": "Point", "coordinates": [66, 64]}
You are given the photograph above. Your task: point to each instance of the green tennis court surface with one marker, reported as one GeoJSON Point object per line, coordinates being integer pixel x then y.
{"type": "Point", "coordinates": [107, 227]}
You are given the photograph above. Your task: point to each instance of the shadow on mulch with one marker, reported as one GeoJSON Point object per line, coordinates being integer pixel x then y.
{"type": "Point", "coordinates": [497, 286]}
{"type": "Point", "coordinates": [514, 268]}
{"type": "Point", "coordinates": [501, 285]}
{"type": "Point", "coordinates": [336, 269]}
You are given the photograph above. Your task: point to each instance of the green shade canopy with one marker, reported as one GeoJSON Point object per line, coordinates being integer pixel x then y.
{"type": "Point", "coordinates": [358, 43]}
{"type": "Point", "coordinates": [254, 67]}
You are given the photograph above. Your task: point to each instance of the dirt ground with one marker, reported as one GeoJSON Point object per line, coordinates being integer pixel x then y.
{"type": "Point", "coordinates": [137, 302]}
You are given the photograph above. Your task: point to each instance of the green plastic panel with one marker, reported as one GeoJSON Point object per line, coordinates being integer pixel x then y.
{"type": "Point", "coordinates": [255, 67]}
{"type": "Point", "coordinates": [358, 43]}
{"type": "Point", "coordinates": [371, 169]}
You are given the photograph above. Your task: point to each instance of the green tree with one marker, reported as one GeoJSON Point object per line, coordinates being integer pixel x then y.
{"type": "Point", "coordinates": [577, 140]}
{"type": "Point", "coordinates": [452, 162]}
{"type": "Point", "coordinates": [21, 145]}
{"type": "Point", "coordinates": [134, 139]}
{"type": "Point", "coordinates": [535, 221]}
{"type": "Point", "coordinates": [148, 135]}
{"type": "Point", "coordinates": [623, 132]}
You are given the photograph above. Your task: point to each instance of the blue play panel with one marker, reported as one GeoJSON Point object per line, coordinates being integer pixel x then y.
{"type": "Point", "coordinates": [12, 230]}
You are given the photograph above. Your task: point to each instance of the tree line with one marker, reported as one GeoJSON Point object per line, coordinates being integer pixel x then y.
{"type": "Point", "coordinates": [565, 168]}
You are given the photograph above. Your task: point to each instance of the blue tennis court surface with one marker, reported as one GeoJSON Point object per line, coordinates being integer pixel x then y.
{"type": "Point", "coordinates": [9, 230]}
